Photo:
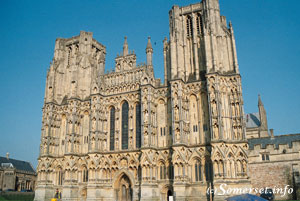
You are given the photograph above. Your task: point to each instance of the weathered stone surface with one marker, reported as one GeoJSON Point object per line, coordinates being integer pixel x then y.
{"type": "Point", "coordinates": [124, 135]}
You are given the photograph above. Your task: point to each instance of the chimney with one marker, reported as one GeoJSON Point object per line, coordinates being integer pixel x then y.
{"type": "Point", "coordinates": [272, 132]}
{"type": "Point", "coordinates": [7, 156]}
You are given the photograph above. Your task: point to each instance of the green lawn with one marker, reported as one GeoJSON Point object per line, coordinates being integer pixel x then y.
{"type": "Point", "coordinates": [16, 197]}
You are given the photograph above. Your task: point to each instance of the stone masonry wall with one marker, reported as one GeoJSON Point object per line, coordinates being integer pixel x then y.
{"type": "Point", "coordinates": [272, 174]}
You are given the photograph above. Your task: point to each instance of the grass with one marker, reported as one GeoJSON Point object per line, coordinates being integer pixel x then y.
{"type": "Point", "coordinates": [17, 197]}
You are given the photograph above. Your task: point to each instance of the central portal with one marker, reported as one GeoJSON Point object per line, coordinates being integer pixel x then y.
{"type": "Point", "coordinates": [124, 190]}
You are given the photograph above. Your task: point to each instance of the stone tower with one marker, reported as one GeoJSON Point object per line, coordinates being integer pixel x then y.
{"type": "Point", "coordinates": [76, 64]}
{"type": "Point", "coordinates": [202, 53]}
{"type": "Point", "coordinates": [124, 135]}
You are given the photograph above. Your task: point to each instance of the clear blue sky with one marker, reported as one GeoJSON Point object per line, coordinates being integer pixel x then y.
{"type": "Point", "coordinates": [267, 36]}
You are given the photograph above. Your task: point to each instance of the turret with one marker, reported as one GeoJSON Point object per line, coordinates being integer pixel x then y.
{"type": "Point", "coordinates": [149, 52]}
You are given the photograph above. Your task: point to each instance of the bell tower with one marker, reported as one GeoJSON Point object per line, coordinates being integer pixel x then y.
{"type": "Point", "coordinates": [201, 50]}
{"type": "Point", "coordinates": [77, 62]}
{"type": "Point", "coordinates": [200, 42]}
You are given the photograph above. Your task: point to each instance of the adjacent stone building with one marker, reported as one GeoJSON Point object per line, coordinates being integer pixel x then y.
{"type": "Point", "coordinates": [274, 161]}
{"type": "Point", "coordinates": [16, 175]}
{"type": "Point", "coordinates": [124, 135]}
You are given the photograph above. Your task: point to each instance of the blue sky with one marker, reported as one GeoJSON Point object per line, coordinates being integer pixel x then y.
{"type": "Point", "coordinates": [267, 37]}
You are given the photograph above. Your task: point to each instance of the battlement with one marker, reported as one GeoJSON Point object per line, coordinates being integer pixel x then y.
{"type": "Point", "coordinates": [281, 142]}
{"type": "Point", "coordinates": [189, 8]}
{"type": "Point", "coordinates": [83, 43]}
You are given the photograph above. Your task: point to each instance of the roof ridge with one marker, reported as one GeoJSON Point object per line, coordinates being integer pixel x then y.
{"type": "Point", "coordinates": [14, 159]}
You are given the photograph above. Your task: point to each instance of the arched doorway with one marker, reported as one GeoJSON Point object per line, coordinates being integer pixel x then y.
{"type": "Point", "coordinates": [124, 189]}
{"type": "Point", "coordinates": [166, 192]}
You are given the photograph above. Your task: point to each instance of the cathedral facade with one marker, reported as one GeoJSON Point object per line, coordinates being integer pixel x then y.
{"type": "Point", "coordinates": [124, 135]}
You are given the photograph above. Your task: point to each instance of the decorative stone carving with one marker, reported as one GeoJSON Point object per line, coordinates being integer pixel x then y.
{"type": "Point", "coordinates": [84, 139]}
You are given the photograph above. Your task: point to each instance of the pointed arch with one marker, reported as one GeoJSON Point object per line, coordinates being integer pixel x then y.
{"type": "Point", "coordinates": [125, 110]}
{"type": "Point", "coordinates": [112, 129]}
{"type": "Point", "coordinates": [138, 125]}
{"type": "Point", "coordinates": [217, 152]}
{"type": "Point", "coordinates": [162, 169]}
{"type": "Point", "coordinates": [197, 166]}
{"type": "Point", "coordinates": [123, 186]}
{"type": "Point", "coordinates": [119, 175]}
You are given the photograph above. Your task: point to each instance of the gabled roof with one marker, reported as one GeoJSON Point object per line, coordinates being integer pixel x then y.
{"type": "Point", "coordinates": [252, 120]}
{"type": "Point", "coordinates": [19, 165]}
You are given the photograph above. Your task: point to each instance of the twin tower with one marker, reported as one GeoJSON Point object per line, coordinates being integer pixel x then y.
{"type": "Point", "coordinates": [124, 135]}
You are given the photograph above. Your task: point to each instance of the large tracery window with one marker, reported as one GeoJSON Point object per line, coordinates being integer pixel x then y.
{"type": "Point", "coordinates": [138, 125]}
{"type": "Point", "coordinates": [112, 129]}
{"type": "Point", "coordinates": [125, 109]}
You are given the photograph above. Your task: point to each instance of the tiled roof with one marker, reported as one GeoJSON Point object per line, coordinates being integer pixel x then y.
{"type": "Point", "coordinates": [19, 165]}
{"type": "Point", "coordinates": [276, 140]}
{"type": "Point", "coordinates": [252, 120]}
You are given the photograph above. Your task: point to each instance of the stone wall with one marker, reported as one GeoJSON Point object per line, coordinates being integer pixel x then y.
{"type": "Point", "coordinates": [271, 175]}
{"type": "Point", "coordinates": [8, 179]}
{"type": "Point", "coordinates": [273, 162]}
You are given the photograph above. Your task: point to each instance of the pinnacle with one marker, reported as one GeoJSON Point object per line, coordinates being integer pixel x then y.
{"type": "Point", "coordinates": [260, 103]}
{"type": "Point", "coordinates": [149, 46]}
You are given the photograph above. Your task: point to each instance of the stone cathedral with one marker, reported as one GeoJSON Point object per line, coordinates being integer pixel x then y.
{"type": "Point", "coordinates": [125, 136]}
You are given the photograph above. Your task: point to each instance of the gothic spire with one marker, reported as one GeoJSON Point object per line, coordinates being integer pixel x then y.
{"type": "Point", "coordinates": [259, 101]}
{"type": "Point", "coordinates": [263, 118]}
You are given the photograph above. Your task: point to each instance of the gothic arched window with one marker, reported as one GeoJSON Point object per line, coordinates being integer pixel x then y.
{"type": "Point", "coordinates": [138, 125]}
{"type": "Point", "coordinates": [162, 171]}
{"type": "Point", "coordinates": [125, 109]}
{"type": "Point", "coordinates": [189, 26]}
{"type": "Point", "coordinates": [85, 175]}
{"type": "Point", "coordinates": [199, 24]}
{"type": "Point", "coordinates": [198, 171]}
{"type": "Point", "coordinates": [112, 129]}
